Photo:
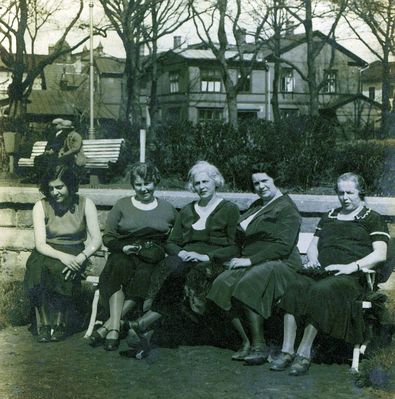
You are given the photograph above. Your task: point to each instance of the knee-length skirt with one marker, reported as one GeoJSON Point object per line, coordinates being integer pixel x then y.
{"type": "Point", "coordinates": [44, 274]}
{"type": "Point", "coordinates": [126, 272]}
{"type": "Point", "coordinates": [332, 305]}
{"type": "Point", "coordinates": [259, 287]}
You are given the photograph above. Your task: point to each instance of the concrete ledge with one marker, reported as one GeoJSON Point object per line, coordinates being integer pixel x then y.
{"type": "Point", "coordinates": [107, 198]}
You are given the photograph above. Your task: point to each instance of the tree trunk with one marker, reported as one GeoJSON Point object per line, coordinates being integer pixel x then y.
{"type": "Point", "coordinates": [386, 105]}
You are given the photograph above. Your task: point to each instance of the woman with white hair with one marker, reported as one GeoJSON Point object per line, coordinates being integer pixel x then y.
{"type": "Point", "coordinates": [203, 234]}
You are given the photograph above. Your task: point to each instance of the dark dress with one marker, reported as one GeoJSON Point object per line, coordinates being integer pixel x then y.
{"type": "Point", "coordinates": [270, 242]}
{"type": "Point", "coordinates": [330, 304]}
{"type": "Point", "coordinates": [126, 224]}
{"type": "Point", "coordinates": [66, 233]}
{"type": "Point", "coordinates": [217, 240]}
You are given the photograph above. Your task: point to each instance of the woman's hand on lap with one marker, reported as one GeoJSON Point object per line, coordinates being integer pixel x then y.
{"type": "Point", "coordinates": [192, 256]}
{"type": "Point", "coordinates": [341, 269]}
{"type": "Point", "coordinates": [237, 263]}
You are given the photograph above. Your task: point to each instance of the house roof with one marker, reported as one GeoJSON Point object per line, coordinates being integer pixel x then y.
{"type": "Point", "coordinates": [110, 65]}
{"type": "Point", "coordinates": [62, 103]}
{"type": "Point", "coordinates": [208, 55]}
{"type": "Point", "coordinates": [290, 42]}
{"type": "Point", "coordinates": [340, 102]}
{"type": "Point", "coordinates": [375, 71]}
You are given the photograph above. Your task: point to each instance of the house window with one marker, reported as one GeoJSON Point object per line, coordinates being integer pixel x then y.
{"type": "Point", "coordinates": [206, 114]}
{"type": "Point", "coordinates": [330, 82]}
{"type": "Point", "coordinates": [287, 83]}
{"type": "Point", "coordinates": [246, 87]}
{"type": "Point", "coordinates": [372, 93]}
{"type": "Point", "coordinates": [174, 78]}
{"type": "Point", "coordinates": [210, 80]}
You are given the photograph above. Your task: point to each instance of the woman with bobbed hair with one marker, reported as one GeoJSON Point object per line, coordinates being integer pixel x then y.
{"type": "Point", "coordinates": [203, 234]}
{"type": "Point", "coordinates": [66, 234]}
{"type": "Point", "coordinates": [267, 234]}
{"type": "Point", "coordinates": [346, 240]}
{"type": "Point", "coordinates": [135, 234]}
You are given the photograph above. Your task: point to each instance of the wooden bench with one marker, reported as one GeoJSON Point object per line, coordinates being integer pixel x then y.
{"type": "Point", "coordinates": [99, 153]}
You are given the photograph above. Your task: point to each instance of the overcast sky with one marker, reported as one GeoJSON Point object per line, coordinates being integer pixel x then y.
{"type": "Point", "coordinates": [113, 46]}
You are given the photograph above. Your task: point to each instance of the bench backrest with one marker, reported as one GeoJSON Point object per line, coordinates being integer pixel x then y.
{"type": "Point", "coordinates": [98, 152]}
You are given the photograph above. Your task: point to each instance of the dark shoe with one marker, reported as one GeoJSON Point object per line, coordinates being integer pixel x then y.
{"type": "Point", "coordinates": [59, 333]}
{"type": "Point", "coordinates": [44, 334]}
{"type": "Point", "coordinates": [111, 344]}
{"type": "Point", "coordinates": [96, 339]}
{"type": "Point", "coordinates": [299, 366]}
{"type": "Point", "coordinates": [257, 356]}
{"type": "Point", "coordinates": [283, 361]}
{"type": "Point", "coordinates": [241, 354]}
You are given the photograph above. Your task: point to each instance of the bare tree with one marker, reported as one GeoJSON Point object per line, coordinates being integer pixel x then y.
{"type": "Point", "coordinates": [379, 17]}
{"type": "Point", "coordinates": [213, 21]}
{"type": "Point", "coordinates": [305, 12]}
{"type": "Point", "coordinates": [141, 23]}
{"type": "Point", "coordinates": [19, 21]}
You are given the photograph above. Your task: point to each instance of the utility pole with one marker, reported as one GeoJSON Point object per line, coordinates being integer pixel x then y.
{"type": "Point", "coordinates": [91, 75]}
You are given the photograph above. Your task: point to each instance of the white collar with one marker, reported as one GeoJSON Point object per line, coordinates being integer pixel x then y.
{"type": "Point", "coordinates": [144, 207]}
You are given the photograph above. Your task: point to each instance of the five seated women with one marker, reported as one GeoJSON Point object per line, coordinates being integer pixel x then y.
{"type": "Point", "coordinates": [245, 265]}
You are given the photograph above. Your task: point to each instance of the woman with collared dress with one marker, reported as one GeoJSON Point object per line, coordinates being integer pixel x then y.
{"type": "Point", "coordinates": [203, 237]}
{"type": "Point", "coordinates": [135, 234]}
{"type": "Point", "coordinates": [267, 235]}
{"type": "Point", "coordinates": [346, 240]}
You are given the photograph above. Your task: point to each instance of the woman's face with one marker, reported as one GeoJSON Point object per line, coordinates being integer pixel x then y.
{"type": "Point", "coordinates": [144, 190]}
{"type": "Point", "coordinates": [204, 185]}
{"type": "Point", "coordinates": [58, 191]}
{"type": "Point", "coordinates": [348, 195]}
{"type": "Point", "coordinates": [264, 186]}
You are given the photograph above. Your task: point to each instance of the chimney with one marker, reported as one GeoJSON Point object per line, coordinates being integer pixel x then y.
{"type": "Point", "coordinates": [176, 42]}
{"type": "Point", "coordinates": [289, 28]}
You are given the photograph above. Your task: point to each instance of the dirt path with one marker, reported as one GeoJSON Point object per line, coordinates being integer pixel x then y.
{"type": "Point", "coordinates": [72, 369]}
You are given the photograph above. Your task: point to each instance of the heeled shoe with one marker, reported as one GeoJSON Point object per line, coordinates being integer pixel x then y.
{"type": "Point", "coordinates": [44, 334]}
{"type": "Point", "coordinates": [111, 344]}
{"type": "Point", "coordinates": [96, 339]}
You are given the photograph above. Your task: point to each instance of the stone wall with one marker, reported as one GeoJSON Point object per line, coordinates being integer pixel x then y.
{"type": "Point", "coordinates": [16, 230]}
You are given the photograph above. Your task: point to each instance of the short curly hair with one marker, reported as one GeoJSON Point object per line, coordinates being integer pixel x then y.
{"type": "Point", "coordinates": [66, 174]}
{"type": "Point", "coordinates": [211, 170]}
{"type": "Point", "coordinates": [145, 170]}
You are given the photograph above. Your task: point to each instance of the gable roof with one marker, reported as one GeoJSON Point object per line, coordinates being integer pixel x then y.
{"type": "Point", "coordinates": [110, 65]}
{"type": "Point", "coordinates": [292, 41]}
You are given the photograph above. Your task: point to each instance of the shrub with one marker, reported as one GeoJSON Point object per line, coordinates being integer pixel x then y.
{"type": "Point", "coordinates": [14, 305]}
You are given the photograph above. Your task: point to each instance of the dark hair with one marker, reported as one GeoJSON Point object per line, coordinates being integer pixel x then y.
{"type": "Point", "coordinates": [146, 171]}
{"type": "Point", "coordinates": [262, 167]}
{"type": "Point", "coordinates": [64, 173]}
{"type": "Point", "coordinates": [357, 179]}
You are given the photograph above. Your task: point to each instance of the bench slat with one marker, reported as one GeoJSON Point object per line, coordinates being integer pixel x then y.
{"type": "Point", "coordinates": [99, 152]}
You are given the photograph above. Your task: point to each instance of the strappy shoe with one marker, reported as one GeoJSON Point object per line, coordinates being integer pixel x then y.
{"type": "Point", "coordinates": [258, 355]}
{"type": "Point", "coordinates": [283, 361]}
{"type": "Point", "coordinates": [242, 353]}
{"type": "Point", "coordinates": [300, 366]}
{"type": "Point", "coordinates": [96, 339]}
{"type": "Point", "coordinates": [44, 334]}
{"type": "Point", "coordinates": [111, 344]}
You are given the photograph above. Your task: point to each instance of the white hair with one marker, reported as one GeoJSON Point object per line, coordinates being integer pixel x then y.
{"type": "Point", "coordinates": [206, 167]}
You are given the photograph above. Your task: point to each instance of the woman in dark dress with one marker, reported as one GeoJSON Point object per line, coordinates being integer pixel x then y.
{"type": "Point", "coordinates": [346, 240]}
{"type": "Point", "coordinates": [267, 235]}
{"type": "Point", "coordinates": [135, 234]}
{"type": "Point", "coordinates": [62, 222]}
{"type": "Point", "coordinates": [203, 236]}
